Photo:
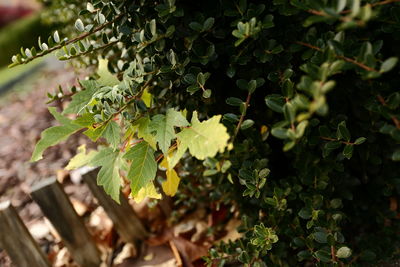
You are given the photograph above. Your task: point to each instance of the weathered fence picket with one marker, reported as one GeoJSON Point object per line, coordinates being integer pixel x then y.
{"type": "Point", "coordinates": [54, 203]}
{"type": "Point", "coordinates": [125, 220]}
{"type": "Point", "coordinates": [17, 241]}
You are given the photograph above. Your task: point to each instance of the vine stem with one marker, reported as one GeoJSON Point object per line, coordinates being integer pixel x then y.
{"type": "Point", "coordinates": [350, 60]}
{"type": "Point", "coordinates": [76, 39]}
{"type": "Point", "coordinates": [246, 105]}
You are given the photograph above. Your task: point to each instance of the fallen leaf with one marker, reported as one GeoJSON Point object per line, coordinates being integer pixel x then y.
{"type": "Point", "coordinates": [232, 233]}
{"type": "Point", "coordinates": [128, 251]}
{"type": "Point", "coordinates": [39, 229]}
{"type": "Point", "coordinates": [80, 207]}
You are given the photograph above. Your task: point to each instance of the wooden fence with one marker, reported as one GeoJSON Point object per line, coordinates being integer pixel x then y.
{"type": "Point", "coordinates": [56, 206]}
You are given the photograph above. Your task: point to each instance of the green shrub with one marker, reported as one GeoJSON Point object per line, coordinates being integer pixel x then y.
{"type": "Point", "coordinates": [294, 108]}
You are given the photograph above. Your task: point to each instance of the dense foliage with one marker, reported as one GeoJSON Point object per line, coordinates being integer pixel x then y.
{"type": "Point", "coordinates": [294, 117]}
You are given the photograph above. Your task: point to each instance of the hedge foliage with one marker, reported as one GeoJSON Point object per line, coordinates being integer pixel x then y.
{"type": "Point", "coordinates": [294, 117]}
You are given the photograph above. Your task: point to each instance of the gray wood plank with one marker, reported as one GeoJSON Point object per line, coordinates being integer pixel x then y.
{"type": "Point", "coordinates": [125, 220]}
{"type": "Point", "coordinates": [17, 241]}
{"type": "Point", "coordinates": [55, 205]}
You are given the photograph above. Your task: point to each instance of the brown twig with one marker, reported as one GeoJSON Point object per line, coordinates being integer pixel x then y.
{"type": "Point", "coordinates": [394, 119]}
{"type": "Point", "coordinates": [333, 139]}
{"type": "Point", "coordinates": [93, 50]}
{"type": "Point", "coordinates": [359, 64]}
{"type": "Point", "coordinates": [246, 105]}
{"type": "Point", "coordinates": [176, 253]}
{"type": "Point", "coordinates": [333, 254]}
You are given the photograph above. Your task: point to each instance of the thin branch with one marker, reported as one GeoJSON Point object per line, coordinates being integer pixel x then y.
{"type": "Point", "coordinates": [246, 105]}
{"type": "Point", "coordinates": [347, 59]}
{"type": "Point", "coordinates": [333, 139]}
{"type": "Point", "coordinates": [91, 51]}
{"type": "Point", "coordinates": [78, 38]}
{"type": "Point", "coordinates": [333, 254]}
{"type": "Point", "coordinates": [394, 119]}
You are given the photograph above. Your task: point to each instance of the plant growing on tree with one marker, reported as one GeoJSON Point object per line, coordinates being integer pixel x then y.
{"type": "Point", "coordinates": [293, 107]}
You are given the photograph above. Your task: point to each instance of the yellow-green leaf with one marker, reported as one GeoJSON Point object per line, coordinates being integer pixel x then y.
{"type": "Point", "coordinates": [203, 139]}
{"type": "Point", "coordinates": [147, 97]}
{"type": "Point", "coordinates": [147, 191]}
{"type": "Point", "coordinates": [81, 158]}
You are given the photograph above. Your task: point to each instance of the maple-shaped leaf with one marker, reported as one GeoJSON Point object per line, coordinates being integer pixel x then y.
{"type": "Point", "coordinates": [164, 125]}
{"type": "Point", "coordinates": [203, 139]}
{"type": "Point", "coordinates": [81, 158]}
{"type": "Point", "coordinates": [110, 163]}
{"type": "Point", "coordinates": [108, 176]}
{"type": "Point", "coordinates": [81, 99]}
{"type": "Point", "coordinates": [170, 186]}
{"type": "Point", "coordinates": [112, 134]}
{"type": "Point", "coordinates": [54, 135]}
{"type": "Point", "coordinates": [149, 191]}
{"type": "Point", "coordinates": [143, 167]}
{"type": "Point", "coordinates": [143, 131]}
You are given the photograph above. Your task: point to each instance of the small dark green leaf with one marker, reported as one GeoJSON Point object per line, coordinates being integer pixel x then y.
{"type": "Point", "coordinates": [323, 256]}
{"type": "Point", "coordinates": [320, 237]}
{"type": "Point", "coordinates": [208, 24]}
{"type": "Point", "coordinates": [348, 151]}
{"type": "Point", "coordinates": [388, 64]}
{"type": "Point", "coordinates": [207, 93]}
{"type": "Point", "coordinates": [343, 132]}
{"type": "Point", "coordinates": [360, 140]}
{"type": "Point", "coordinates": [280, 133]}
{"type": "Point", "coordinates": [275, 102]}
{"type": "Point", "coordinates": [246, 124]}
{"type": "Point", "coordinates": [233, 101]}
{"type": "Point", "coordinates": [305, 213]}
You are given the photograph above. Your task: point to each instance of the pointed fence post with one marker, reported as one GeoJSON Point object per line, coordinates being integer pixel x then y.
{"type": "Point", "coordinates": [125, 220]}
{"type": "Point", "coordinates": [55, 205]}
{"type": "Point", "coordinates": [17, 241]}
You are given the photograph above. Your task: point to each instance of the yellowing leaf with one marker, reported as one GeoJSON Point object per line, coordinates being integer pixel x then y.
{"type": "Point", "coordinates": [106, 77]}
{"type": "Point", "coordinates": [203, 139]}
{"type": "Point", "coordinates": [170, 186]}
{"type": "Point", "coordinates": [147, 191]}
{"type": "Point", "coordinates": [147, 97]}
{"type": "Point", "coordinates": [81, 158]}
